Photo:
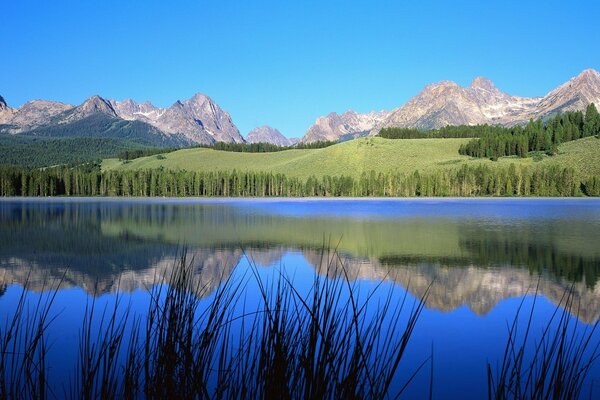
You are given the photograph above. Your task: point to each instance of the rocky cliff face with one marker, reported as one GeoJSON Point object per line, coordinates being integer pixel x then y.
{"type": "Point", "coordinates": [267, 134]}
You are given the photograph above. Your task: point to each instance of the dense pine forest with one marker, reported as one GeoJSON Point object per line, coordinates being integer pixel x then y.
{"type": "Point", "coordinates": [465, 181]}
{"type": "Point", "coordinates": [447, 132]}
{"type": "Point", "coordinates": [538, 136]}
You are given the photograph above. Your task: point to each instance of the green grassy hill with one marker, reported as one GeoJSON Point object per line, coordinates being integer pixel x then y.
{"type": "Point", "coordinates": [353, 157]}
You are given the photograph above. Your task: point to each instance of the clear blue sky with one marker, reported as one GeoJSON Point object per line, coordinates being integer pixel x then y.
{"type": "Point", "coordinates": [284, 63]}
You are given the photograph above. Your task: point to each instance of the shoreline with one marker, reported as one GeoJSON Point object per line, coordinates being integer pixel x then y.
{"type": "Point", "coordinates": [191, 199]}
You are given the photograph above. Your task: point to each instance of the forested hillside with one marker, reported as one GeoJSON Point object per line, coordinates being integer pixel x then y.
{"type": "Point", "coordinates": [31, 151]}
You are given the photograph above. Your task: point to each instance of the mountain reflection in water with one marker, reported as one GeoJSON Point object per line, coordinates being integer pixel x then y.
{"type": "Point", "coordinates": [476, 253]}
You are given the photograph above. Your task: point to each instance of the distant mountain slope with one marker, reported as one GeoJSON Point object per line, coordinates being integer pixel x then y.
{"type": "Point", "coordinates": [447, 103]}
{"type": "Point", "coordinates": [267, 134]}
{"type": "Point", "coordinates": [334, 126]}
{"type": "Point", "coordinates": [575, 94]}
{"type": "Point", "coordinates": [107, 126]}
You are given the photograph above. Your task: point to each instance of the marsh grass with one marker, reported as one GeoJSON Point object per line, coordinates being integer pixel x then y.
{"type": "Point", "coordinates": [324, 343]}
{"type": "Point", "coordinates": [23, 346]}
{"type": "Point", "coordinates": [554, 365]}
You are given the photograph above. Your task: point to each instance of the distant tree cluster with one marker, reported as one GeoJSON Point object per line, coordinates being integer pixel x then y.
{"type": "Point", "coordinates": [447, 132]}
{"type": "Point", "coordinates": [536, 136]}
{"type": "Point", "coordinates": [132, 154]}
{"type": "Point", "coordinates": [464, 181]}
{"type": "Point", "coordinates": [319, 144]}
{"type": "Point", "coordinates": [264, 147]}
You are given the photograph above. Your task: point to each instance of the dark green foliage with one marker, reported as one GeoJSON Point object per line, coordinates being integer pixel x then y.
{"type": "Point", "coordinates": [447, 132]}
{"type": "Point", "coordinates": [591, 187]}
{"type": "Point", "coordinates": [245, 147]}
{"type": "Point", "coordinates": [537, 136]}
{"type": "Point", "coordinates": [264, 147]}
{"type": "Point", "coordinates": [132, 154]}
{"type": "Point", "coordinates": [314, 145]}
{"type": "Point", "coordinates": [591, 124]}
{"type": "Point", "coordinates": [467, 181]}
{"type": "Point", "coordinates": [32, 151]}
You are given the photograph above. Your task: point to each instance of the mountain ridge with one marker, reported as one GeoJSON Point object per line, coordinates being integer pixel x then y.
{"type": "Point", "coordinates": [199, 120]}
{"type": "Point", "coordinates": [447, 103]}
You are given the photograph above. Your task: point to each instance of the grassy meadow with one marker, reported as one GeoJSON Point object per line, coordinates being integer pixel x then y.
{"type": "Point", "coordinates": [356, 156]}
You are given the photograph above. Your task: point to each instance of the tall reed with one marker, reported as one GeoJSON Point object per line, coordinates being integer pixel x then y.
{"type": "Point", "coordinates": [23, 345]}
{"type": "Point", "coordinates": [555, 365]}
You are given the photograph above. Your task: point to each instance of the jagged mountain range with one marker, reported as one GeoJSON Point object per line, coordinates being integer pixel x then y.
{"type": "Point", "coordinates": [199, 120]}
{"type": "Point", "coordinates": [447, 103]}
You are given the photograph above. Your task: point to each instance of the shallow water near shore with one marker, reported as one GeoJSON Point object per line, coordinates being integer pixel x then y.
{"type": "Point", "coordinates": [482, 258]}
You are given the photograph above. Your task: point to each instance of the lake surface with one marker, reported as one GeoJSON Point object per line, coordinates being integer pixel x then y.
{"type": "Point", "coordinates": [481, 259]}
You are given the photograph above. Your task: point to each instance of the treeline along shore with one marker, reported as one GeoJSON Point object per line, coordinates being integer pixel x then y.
{"type": "Point", "coordinates": [466, 181]}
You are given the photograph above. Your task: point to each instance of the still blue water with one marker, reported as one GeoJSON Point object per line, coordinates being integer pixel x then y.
{"type": "Point", "coordinates": [484, 256]}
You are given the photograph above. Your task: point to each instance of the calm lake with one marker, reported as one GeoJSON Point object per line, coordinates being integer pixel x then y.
{"type": "Point", "coordinates": [482, 258]}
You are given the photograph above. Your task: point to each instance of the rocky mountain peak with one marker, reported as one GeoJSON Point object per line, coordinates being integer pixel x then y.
{"type": "Point", "coordinates": [441, 85]}
{"type": "Point", "coordinates": [146, 106]}
{"type": "Point", "coordinates": [589, 73]}
{"type": "Point", "coordinates": [129, 103]}
{"type": "Point", "coordinates": [97, 104]}
{"type": "Point", "coordinates": [199, 98]}
{"type": "Point", "coordinates": [483, 83]}
{"type": "Point", "coordinates": [267, 134]}
{"type": "Point", "coordinates": [200, 105]}
{"type": "Point", "coordinates": [3, 105]}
